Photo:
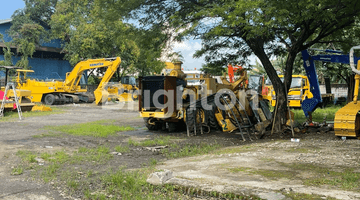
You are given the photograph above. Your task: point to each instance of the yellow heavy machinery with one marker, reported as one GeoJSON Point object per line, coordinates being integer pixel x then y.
{"type": "Point", "coordinates": [22, 94]}
{"type": "Point", "coordinates": [299, 91]}
{"type": "Point", "coordinates": [347, 119]}
{"type": "Point", "coordinates": [69, 90]}
{"type": "Point", "coordinates": [168, 102]}
{"type": "Point", "coordinates": [125, 90]}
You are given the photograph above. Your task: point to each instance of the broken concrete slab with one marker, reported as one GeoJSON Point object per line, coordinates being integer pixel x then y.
{"type": "Point", "coordinates": [158, 178]}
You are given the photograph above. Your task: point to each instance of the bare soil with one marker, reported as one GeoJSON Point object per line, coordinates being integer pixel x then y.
{"type": "Point", "coordinates": [211, 172]}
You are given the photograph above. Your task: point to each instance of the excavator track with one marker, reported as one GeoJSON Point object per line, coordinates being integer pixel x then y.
{"type": "Point", "coordinates": [347, 121]}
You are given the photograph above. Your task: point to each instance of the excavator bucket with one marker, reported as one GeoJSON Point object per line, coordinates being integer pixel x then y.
{"type": "Point", "coordinates": [347, 120]}
{"type": "Point", "coordinates": [101, 96]}
{"type": "Point", "coordinates": [41, 108]}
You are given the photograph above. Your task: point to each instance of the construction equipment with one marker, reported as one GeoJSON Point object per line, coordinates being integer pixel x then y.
{"type": "Point", "coordinates": [168, 102]}
{"type": "Point", "coordinates": [69, 90]}
{"type": "Point", "coordinates": [300, 90]}
{"type": "Point", "coordinates": [347, 119]}
{"type": "Point", "coordinates": [22, 94]}
{"type": "Point", "coordinates": [304, 91]}
{"type": "Point", "coordinates": [257, 84]}
{"type": "Point", "coordinates": [16, 99]}
{"type": "Point", "coordinates": [125, 90]}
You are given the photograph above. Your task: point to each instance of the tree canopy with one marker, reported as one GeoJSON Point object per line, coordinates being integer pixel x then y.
{"type": "Point", "coordinates": [95, 29]}
{"type": "Point", "coordinates": [232, 30]}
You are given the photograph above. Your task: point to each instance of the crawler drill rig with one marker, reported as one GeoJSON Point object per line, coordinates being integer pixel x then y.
{"type": "Point", "coordinates": [167, 102]}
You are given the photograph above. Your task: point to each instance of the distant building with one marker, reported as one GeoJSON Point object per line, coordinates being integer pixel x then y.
{"type": "Point", "coordinates": [47, 61]}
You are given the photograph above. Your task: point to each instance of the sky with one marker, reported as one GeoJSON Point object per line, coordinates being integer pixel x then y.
{"type": "Point", "coordinates": [187, 48]}
{"type": "Point", "coordinates": [8, 7]}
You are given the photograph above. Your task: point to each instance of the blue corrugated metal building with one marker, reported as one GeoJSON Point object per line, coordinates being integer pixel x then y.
{"type": "Point", "coordinates": [47, 61]}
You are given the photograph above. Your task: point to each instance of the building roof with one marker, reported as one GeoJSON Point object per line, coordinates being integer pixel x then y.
{"type": "Point", "coordinates": [4, 21]}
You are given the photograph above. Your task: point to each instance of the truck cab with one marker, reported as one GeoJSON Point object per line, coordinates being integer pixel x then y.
{"type": "Point", "coordinates": [298, 91]}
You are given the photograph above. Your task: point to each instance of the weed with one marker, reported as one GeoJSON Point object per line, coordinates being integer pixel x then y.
{"type": "Point", "coordinates": [17, 170]}
{"type": "Point", "coordinates": [27, 156]}
{"type": "Point", "coordinates": [301, 196]}
{"type": "Point", "coordinates": [161, 140]}
{"type": "Point", "coordinates": [97, 155]}
{"type": "Point", "coordinates": [73, 184]}
{"type": "Point", "coordinates": [239, 169]}
{"type": "Point", "coordinates": [346, 180]}
{"type": "Point", "coordinates": [122, 149]}
{"type": "Point", "coordinates": [153, 162]}
{"type": "Point", "coordinates": [132, 142]}
{"type": "Point", "coordinates": [50, 172]}
{"type": "Point", "coordinates": [90, 173]}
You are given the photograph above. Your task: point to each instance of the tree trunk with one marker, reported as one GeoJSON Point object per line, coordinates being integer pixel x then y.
{"type": "Point", "coordinates": [279, 119]}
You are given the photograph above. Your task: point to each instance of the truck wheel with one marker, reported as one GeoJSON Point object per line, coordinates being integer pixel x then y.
{"type": "Point", "coordinates": [211, 116]}
{"type": "Point", "coordinates": [135, 95]}
{"type": "Point", "coordinates": [49, 99]}
{"type": "Point", "coordinates": [172, 126]}
{"type": "Point", "coordinates": [151, 127]}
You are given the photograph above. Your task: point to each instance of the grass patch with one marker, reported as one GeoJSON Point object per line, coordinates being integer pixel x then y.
{"type": "Point", "coordinates": [27, 156]}
{"type": "Point", "coordinates": [301, 196]}
{"type": "Point", "coordinates": [271, 174]}
{"type": "Point", "coordinates": [346, 180]}
{"type": "Point", "coordinates": [17, 170]}
{"type": "Point", "coordinates": [318, 115]}
{"type": "Point", "coordinates": [122, 149]}
{"type": "Point", "coordinates": [50, 172]}
{"type": "Point", "coordinates": [94, 129]}
{"type": "Point", "coordinates": [13, 116]}
{"type": "Point", "coordinates": [239, 169]}
{"type": "Point", "coordinates": [98, 155]}
{"type": "Point", "coordinates": [161, 141]}
{"type": "Point", "coordinates": [128, 184]}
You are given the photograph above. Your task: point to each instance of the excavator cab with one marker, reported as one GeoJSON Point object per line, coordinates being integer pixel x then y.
{"type": "Point", "coordinates": [128, 80]}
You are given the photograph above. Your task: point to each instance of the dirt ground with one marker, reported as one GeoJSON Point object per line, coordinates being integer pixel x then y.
{"type": "Point", "coordinates": [230, 170]}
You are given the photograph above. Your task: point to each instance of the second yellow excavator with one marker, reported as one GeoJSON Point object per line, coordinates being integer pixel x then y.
{"type": "Point", "coordinates": [69, 90]}
{"type": "Point", "coordinates": [347, 118]}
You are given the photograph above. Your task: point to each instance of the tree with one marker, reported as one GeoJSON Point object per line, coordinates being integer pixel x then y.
{"type": "Point", "coordinates": [7, 53]}
{"type": "Point", "coordinates": [214, 71]}
{"type": "Point", "coordinates": [232, 30]}
{"type": "Point", "coordinates": [27, 29]}
{"type": "Point", "coordinates": [97, 29]}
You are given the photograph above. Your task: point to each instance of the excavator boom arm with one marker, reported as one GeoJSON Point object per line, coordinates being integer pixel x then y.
{"type": "Point", "coordinates": [309, 105]}
{"type": "Point", "coordinates": [73, 78]}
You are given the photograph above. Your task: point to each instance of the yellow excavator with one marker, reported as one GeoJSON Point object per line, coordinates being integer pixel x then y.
{"type": "Point", "coordinates": [69, 90]}
{"type": "Point", "coordinates": [347, 119]}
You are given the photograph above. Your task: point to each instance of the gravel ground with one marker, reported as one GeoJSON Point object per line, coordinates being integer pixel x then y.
{"type": "Point", "coordinates": [209, 172]}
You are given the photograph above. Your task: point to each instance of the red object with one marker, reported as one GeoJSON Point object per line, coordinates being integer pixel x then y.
{"type": "Point", "coordinates": [1, 98]}
{"type": "Point", "coordinates": [232, 70]}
